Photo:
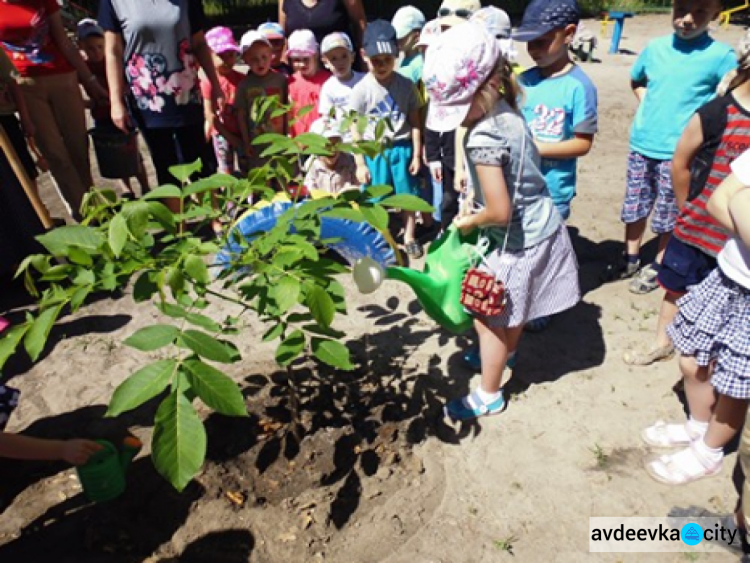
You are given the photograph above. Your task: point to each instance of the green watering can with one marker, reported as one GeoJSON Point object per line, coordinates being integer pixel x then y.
{"type": "Point", "coordinates": [438, 286]}
{"type": "Point", "coordinates": [103, 476]}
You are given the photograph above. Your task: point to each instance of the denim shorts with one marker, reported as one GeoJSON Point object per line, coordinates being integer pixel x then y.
{"type": "Point", "coordinates": [649, 187]}
{"type": "Point", "coordinates": [684, 266]}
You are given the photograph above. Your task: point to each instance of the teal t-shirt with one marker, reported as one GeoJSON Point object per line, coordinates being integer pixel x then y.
{"type": "Point", "coordinates": [680, 77]}
{"type": "Point", "coordinates": [556, 108]}
{"type": "Point", "coordinates": [411, 67]}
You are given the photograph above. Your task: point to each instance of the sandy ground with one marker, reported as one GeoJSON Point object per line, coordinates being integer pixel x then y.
{"type": "Point", "coordinates": [380, 477]}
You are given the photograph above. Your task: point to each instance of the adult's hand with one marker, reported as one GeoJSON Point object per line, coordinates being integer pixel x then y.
{"type": "Point", "coordinates": [120, 117]}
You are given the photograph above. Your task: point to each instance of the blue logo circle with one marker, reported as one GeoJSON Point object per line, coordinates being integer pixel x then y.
{"type": "Point", "coordinates": [691, 534]}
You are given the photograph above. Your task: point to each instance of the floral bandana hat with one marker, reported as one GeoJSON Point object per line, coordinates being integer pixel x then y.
{"type": "Point", "coordinates": [456, 65]}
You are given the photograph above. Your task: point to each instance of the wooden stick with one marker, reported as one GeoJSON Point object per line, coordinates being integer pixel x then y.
{"type": "Point", "coordinates": [23, 177]}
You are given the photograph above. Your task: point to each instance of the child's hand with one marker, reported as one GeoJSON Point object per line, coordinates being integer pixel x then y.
{"type": "Point", "coordinates": [415, 166]}
{"type": "Point", "coordinates": [363, 175]}
{"type": "Point", "coordinates": [464, 223]}
{"type": "Point", "coordinates": [78, 452]}
{"type": "Point", "coordinates": [436, 169]}
{"type": "Point", "coordinates": [120, 117]}
{"type": "Point", "coordinates": [459, 181]}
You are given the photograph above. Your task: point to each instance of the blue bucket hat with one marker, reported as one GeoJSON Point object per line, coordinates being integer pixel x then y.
{"type": "Point", "coordinates": [542, 16]}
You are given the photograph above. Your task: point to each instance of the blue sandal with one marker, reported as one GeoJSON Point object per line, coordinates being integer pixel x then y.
{"type": "Point", "coordinates": [472, 406]}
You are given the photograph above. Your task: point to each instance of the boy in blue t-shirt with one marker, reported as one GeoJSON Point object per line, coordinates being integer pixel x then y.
{"type": "Point", "coordinates": [560, 103]}
{"type": "Point", "coordinates": [672, 78]}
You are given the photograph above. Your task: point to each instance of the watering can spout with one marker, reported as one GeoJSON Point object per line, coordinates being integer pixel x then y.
{"type": "Point", "coordinates": [130, 448]}
{"type": "Point", "coordinates": [421, 283]}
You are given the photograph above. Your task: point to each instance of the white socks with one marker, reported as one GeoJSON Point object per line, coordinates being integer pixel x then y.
{"type": "Point", "coordinates": [488, 398]}
{"type": "Point", "coordinates": [695, 429]}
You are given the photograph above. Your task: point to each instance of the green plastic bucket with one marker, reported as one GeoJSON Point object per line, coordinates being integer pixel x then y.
{"type": "Point", "coordinates": [116, 152]}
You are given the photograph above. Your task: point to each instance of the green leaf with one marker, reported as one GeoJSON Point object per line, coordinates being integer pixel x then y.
{"type": "Point", "coordinates": [80, 257]}
{"type": "Point", "coordinates": [376, 216]}
{"type": "Point", "coordinates": [290, 348]}
{"type": "Point", "coordinates": [332, 353]}
{"type": "Point", "coordinates": [118, 234]}
{"type": "Point", "coordinates": [78, 297]}
{"type": "Point", "coordinates": [161, 215]}
{"type": "Point", "coordinates": [144, 287]}
{"type": "Point", "coordinates": [84, 277]}
{"type": "Point", "coordinates": [407, 202]}
{"type": "Point", "coordinates": [162, 192]}
{"type": "Point", "coordinates": [136, 214]}
{"type": "Point", "coordinates": [58, 241]}
{"type": "Point", "coordinates": [141, 386]}
{"type": "Point", "coordinates": [57, 273]}
{"type": "Point", "coordinates": [203, 321]}
{"type": "Point", "coordinates": [37, 336]}
{"type": "Point", "coordinates": [179, 442]}
{"type": "Point", "coordinates": [10, 340]}
{"type": "Point", "coordinates": [153, 337]}
{"type": "Point", "coordinates": [211, 183]}
{"type": "Point", "coordinates": [183, 171]}
{"type": "Point", "coordinates": [274, 332]}
{"type": "Point", "coordinates": [175, 280]}
{"type": "Point", "coordinates": [196, 269]}
{"type": "Point", "coordinates": [209, 347]}
{"type": "Point", "coordinates": [344, 213]}
{"type": "Point", "coordinates": [215, 389]}
{"type": "Point", "coordinates": [321, 305]}
{"type": "Point", "coordinates": [286, 293]}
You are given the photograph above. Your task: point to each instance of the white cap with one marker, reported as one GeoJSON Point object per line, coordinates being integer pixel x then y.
{"type": "Point", "coordinates": [406, 20]}
{"type": "Point", "coordinates": [251, 37]}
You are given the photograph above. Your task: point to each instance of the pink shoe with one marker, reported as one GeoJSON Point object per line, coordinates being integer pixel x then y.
{"type": "Point", "coordinates": [682, 467]}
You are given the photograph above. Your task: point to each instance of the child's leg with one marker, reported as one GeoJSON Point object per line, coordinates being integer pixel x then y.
{"type": "Point", "coordinates": [663, 349]}
{"type": "Point", "coordinates": [704, 456]}
{"type": "Point", "coordinates": [698, 389]}
{"type": "Point", "coordinates": [409, 219]}
{"type": "Point", "coordinates": [142, 176]}
{"type": "Point", "coordinates": [126, 187]}
{"type": "Point", "coordinates": [495, 345]}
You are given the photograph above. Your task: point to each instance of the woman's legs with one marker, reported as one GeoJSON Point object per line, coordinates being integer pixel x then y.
{"type": "Point", "coordinates": [56, 108]}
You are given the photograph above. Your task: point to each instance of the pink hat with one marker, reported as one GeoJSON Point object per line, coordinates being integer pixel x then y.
{"type": "Point", "coordinates": [220, 40]}
{"type": "Point", "coordinates": [457, 63]}
{"type": "Point", "coordinates": [302, 43]}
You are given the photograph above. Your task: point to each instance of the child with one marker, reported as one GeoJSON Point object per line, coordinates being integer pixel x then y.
{"type": "Point", "coordinates": [91, 42]}
{"type": "Point", "coordinates": [672, 77]}
{"type": "Point", "coordinates": [560, 100]}
{"type": "Point", "coordinates": [383, 94]}
{"type": "Point", "coordinates": [307, 81]}
{"type": "Point", "coordinates": [338, 57]}
{"type": "Point", "coordinates": [497, 23]}
{"type": "Point", "coordinates": [222, 123]}
{"type": "Point", "coordinates": [408, 23]}
{"type": "Point", "coordinates": [712, 333]}
{"type": "Point", "coordinates": [276, 37]}
{"type": "Point", "coordinates": [471, 84]}
{"type": "Point", "coordinates": [333, 174]}
{"type": "Point", "coordinates": [715, 136]}
{"type": "Point", "coordinates": [260, 82]}
{"type": "Point", "coordinates": [14, 446]}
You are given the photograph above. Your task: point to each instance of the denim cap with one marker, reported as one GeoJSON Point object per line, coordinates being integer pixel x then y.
{"type": "Point", "coordinates": [380, 39]}
{"type": "Point", "coordinates": [88, 27]}
{"type": "Point", "coordinates": [406, 20]}
{"type": "Point", "coordinates": [334, 41]}
{"type": "Point", "coordinates": [431, 30]}
{"type": "Point", "coordinates": [456, 65]}
{"type": "Point", "coordinates": [302, 43]}
{"type": "Point", "coordinates": [272, 30]}
{"type": "Point", "coordinates": [542, 16]}
{"type": "Point", "coordinates": [221, 40]}
{"type": "Point", "coordinates": [250, 38]}
{"type": "Point", "coordinates": [494, 20]}
{"type": "Point", "coordinates": [454, 12]}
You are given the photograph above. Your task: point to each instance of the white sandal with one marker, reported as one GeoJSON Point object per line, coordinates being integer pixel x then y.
{"type": "Point", "coordinates": [663, 435]}
{"type": "Point", "coordinates": [681, 468]}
